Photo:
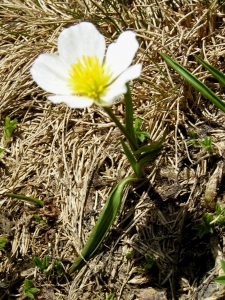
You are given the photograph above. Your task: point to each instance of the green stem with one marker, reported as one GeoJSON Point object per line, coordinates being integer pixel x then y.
{"type": "Point", "coordinates": [22, 197]}
{"type": "Point", "coordinates": [129, 114]}
{"type": "Point", "coordinates": [131, 141]}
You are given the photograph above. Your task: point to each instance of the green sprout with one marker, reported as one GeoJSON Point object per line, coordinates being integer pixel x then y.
{"type": "Point", "coordinates": [207, 144]}
{"type": "Point", "coordinates": [129, 255]}
{"type": "Point", "coordinates": [58, 267]}
{"type": "Point", "coordinates": [3, 242]}
{"type": "Point", "coordinates": [141, 135]}
{"type": "Point", "coordinates": [1, 152]}
{"type": "Point", "coordinates": [209, 221]}
{"type": "Point", "coordinates": [205, 226]}
{"type": "Point", "coordinates": [29, 290]}
{"type": "Point", "coordinates": [10, 126]}
{"type": "Point", "coordinates": [42, 264]}
{"type": "Point", "coordinates": [38, 219]}
{"type": "Point", "coordinates": [221, 279]}
{"type": "Point", "coordinates": [193, 138]}
{"type": "Point", "coordinates": [111, 297]}
{"type": "Point", "coordinates": [29, 199]}
{"type": "Point", "coordinates": [150, 262]}
{"type": "Point", "coordinates": [220, 218]}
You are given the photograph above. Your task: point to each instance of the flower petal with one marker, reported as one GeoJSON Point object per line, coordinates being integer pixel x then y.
{"type": "Point", "coordinates": [50, 73]}
{"type": "Point", "coordinates": [72, 101]}
{"type": "Point", "coordinates": [121, 53]}
{"type": "Point", "coordinates": [118, 87]}
{"type": "Point", "coordinates": [81, 40]}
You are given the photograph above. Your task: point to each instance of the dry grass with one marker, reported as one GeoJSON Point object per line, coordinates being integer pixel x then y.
{"type": "Point", "coordinates": [72, 158]}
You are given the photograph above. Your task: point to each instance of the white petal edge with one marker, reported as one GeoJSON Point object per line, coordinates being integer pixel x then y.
{"type": "Point", "coordinates": [71, 101]}
{"type": "Point", "coordinates": [120, 54]}
{"type": "Point", "coordinates": [50, 73]}
{"type": "Point", "coordinates": [81, 40]}
{"type": "Point", "coordinates": [118, 87]}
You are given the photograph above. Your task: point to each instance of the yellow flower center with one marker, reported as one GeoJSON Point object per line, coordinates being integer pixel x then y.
{"type": "Point", "coordinates": [87, 77]}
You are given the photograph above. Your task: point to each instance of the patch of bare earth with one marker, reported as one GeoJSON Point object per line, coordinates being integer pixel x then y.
{"type": "Point", "coordinates": [72, 158]}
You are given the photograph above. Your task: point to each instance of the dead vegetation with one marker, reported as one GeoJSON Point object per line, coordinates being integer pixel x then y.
{"type": "Point", "coordinates": [71, 158]}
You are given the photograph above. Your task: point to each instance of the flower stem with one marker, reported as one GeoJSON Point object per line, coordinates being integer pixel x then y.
{"type": "Point", "coordinates": [129, 113]}
{"type": "Point", "coordinates": [131, 141]}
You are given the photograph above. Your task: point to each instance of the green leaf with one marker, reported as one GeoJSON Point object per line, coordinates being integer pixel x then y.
{"type": "Point", "coordinates": [129, 255]}
{"type": "Point", "coordinates": [150, 262]}
{"type": "Point", "coordinates": [29, 294]}
{"type": "Point", "coordinates": [28, 284]}
{"type": "Point", "coordinates": [30, 199]}
{"type": "Point", "coordinates": [207, 218]}
{"type": "Point", "coordinates": [151, 148]}
{"type": "Point", "coordinates": [103, 224]}
{"type": "Point", "coordinates": [3, 242]}
{"type": "Point", "coordinates": [111, 297]}
{"type": "Point", "coordinates": [220, 279]}
{"type": "Point", "coordinates": [218, 209]}
{"type": "Point", "coordinates": [45, 272]}
{"type": "Point", "coordinates": [38, 219]}
{"type": "Point", "coordinates": [34, 290]}
{"type": "Point", "coordinates": [222, 265]}
{"type": "Point", "coordinates": [192, 135]}
{"type": "Point", "coordinates": [7, 121]}
{"type": "Point", "coordinates": [58, 267]}
{"type": "Point", "coordinates": [9, 127]}
{"type": "Point", "coordinates": [221, 221]}
{"type": "Point", "coordinates": [197, 84]}
{"type": "Point", "coordinates": [45, 262]}
{"type": "Point", "coordinates": [202, 232]}
{"type": "Point", "coordinates": [201, 229]}
{"type": "Point", "coordinates": [137, 130]}
{"type": "Point", "coordinates": [141, 135]}
{"type": "Point", "coordinates": [215, 72]}
{"type": "Point", "coordinates": [38, 262]}
{"type": "Point", "coordinates": [130, 157]}
{"type": "Point", "coordinates": [137, 124]}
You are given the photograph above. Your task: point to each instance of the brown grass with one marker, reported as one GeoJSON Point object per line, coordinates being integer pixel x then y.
{"type": "Point", "coordinates": [71, 158]}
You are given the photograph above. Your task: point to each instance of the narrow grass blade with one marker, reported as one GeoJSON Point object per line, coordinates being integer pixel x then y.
{"type": "Point", "coordinates": [130, 157]}
{"type": "Point", "coordinates": [216, 73]}
{"type": "Point", "coordinates": [222, 265]}
{"type": "Point", "coordinates": [197, 84]}
{"type": "Point", "coordinates": [220, 279]}
{"type": "Point", "coordinates": [151, 148]}
{"type": "Point", "coordinates": [29, 199]}
{"type": "Point", "coordinates": [103, 224]}
{"type": "Point", "coordinates": [129, 117]}
{"type": "Point", "coordinates": [145, 158]}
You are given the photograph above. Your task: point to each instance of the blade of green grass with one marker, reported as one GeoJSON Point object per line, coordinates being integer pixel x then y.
{"type": "Point", "coordinates": [129, 119]}
{"type": "Point", "coordinates": [29, 199]}
{"type": "Point", "coordinates": [197, 84]}
{"type": "Point", "coordinates": [216, 73]}
{"type": "Point", "coordinates": [103, 224]}
{"type": "Point", "coordinates": [130, 157]}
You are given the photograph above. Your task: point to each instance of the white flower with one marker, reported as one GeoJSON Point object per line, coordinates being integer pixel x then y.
{"type": "Point", "coordinates": [82, 73]}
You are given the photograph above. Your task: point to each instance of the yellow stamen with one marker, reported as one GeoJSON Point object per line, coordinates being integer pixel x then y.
{"type": "Point", "coordinates": [87, 77]}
